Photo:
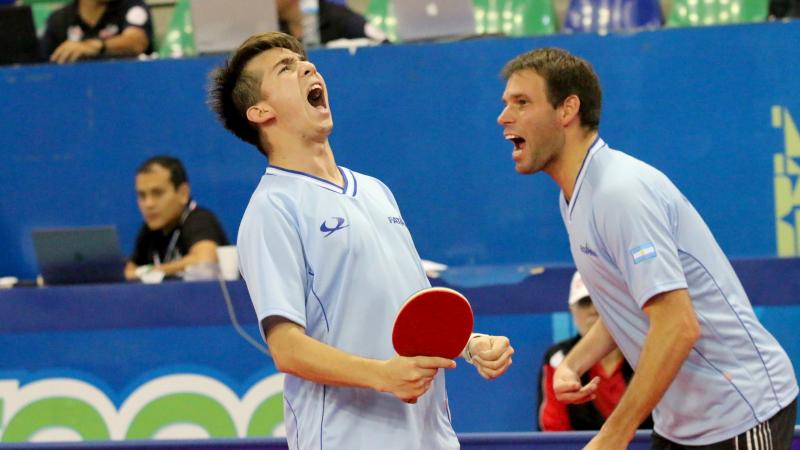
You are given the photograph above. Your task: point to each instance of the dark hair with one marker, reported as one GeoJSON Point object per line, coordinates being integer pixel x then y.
{"type": "Point", "coordinates": [233, 90]}
{"type": "Point", "coordinates": [564, 75]}
{"type": "Point", "coordinates": [177, 173]}
{"type": "Point", "coordinates": [583, 302]}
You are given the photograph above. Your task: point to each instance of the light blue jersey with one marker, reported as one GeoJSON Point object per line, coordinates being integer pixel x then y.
{"type": "Point", "coordinates": [634, 235]}
{"type": "Point", "coordinates": [340, 262]}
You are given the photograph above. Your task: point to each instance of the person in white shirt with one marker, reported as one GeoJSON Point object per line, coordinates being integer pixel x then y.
{"type": "Point", "coordinates": [667, 295]}
{"type": "Point", "coordinates": [328, 262]}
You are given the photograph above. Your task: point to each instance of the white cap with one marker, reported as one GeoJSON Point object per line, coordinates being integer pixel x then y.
{"type": "Point", "coordinates": [577, 290]}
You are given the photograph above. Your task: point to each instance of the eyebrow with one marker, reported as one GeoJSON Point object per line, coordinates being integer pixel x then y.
{"type": "Point", "coordinates": [515, 96]}
{"type": "Point", "coordinates": [288, 60]}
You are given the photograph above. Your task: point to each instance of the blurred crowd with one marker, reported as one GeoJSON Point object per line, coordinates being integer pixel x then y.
{"type": "Point", "coordinates": [69, 31]}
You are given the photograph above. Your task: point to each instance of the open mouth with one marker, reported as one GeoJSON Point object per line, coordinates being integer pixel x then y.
{"type": "Point", "coordinates": [316, 98]}
{"type": "Point", "coordinates": [519, 142]}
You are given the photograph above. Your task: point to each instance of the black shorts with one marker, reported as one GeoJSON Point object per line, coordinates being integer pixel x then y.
{"type": "Point", "coordinates": [774, 434]}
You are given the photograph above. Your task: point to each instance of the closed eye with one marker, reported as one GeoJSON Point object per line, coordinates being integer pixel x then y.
{"type": "Point", "coordinates": [286, 64]}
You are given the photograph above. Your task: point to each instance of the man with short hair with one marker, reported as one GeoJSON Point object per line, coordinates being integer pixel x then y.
{"type": "Point", "coordinates": [666, 293]}
{"type": "Point", "coordinates": [328, 262]}
{"type": "Point", "coordinates": [176, 232]}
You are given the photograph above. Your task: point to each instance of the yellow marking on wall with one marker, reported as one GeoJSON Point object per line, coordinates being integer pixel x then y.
{"type": "Point", "coordinates": [786, 166]}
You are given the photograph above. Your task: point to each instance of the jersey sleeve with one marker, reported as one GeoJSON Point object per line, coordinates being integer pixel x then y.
{"type": "Point", "coordinates": [137, 14]}
{"type": "Point", "coordinates": [202, 225]}
{"type": "Point", "coordinates": [635, 221]}
{"type": "Point", "coordinates": [271, 261]}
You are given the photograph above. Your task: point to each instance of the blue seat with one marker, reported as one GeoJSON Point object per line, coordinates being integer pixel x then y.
{"type": "Point", "coordinates": [608, 16]}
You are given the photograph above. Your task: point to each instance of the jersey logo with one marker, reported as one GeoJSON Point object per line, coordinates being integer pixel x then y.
{"type": "Point", "coordinates": [396, 220]}
{"type": "Point", "coordinates": [587, 251]}
{"type": "Point", "coordinates": [643, 252]}
{"type": "Point", "coordinates": [330, 230]}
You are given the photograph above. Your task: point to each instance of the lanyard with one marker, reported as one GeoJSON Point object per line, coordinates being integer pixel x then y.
{"type": "Point", "coordinates": [172, 252]}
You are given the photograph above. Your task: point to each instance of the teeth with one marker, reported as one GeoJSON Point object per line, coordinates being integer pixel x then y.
{"type": "Point", "coordinates": [511, 137]}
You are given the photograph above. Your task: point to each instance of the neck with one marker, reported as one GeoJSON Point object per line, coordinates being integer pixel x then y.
{"type": "Point", "coordinates": [565, 169]}
{"type": "Point", "coordinates": [170, 227]}
{"type": "Point", "coordinates": [91, 10]}
{"type": "Point", "coordinates": [315, 158]}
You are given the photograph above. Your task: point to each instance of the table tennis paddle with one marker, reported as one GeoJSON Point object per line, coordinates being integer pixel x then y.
{"type": "Point", "coordinates": [433, 322]}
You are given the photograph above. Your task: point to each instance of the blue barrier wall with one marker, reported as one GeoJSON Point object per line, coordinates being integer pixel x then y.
{"type": "Point", "coordinates": [697, 103]}
{"type": "Point", "coordinates": [470, 441]}
{"type": "Point", "coordinates": [121, 345]}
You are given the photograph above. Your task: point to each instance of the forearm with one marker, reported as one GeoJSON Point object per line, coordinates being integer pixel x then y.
{"type": "Point", "coordinates": [129, 43]}
{"type": "Point", "coordinates": [298, 354]}
{"type": "Point", "coordinates": [204, 251]}
{"type": "Point", "coordinates": [177, 266]}
{"type": "Point", "coordinates": [669, 341]}
{"type": "Point", "coordinates": [591, 348]}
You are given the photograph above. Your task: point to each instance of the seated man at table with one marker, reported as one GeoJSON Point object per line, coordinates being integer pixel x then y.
{"type": "Point", "coordinates": [176, 232]}
{"type": "Point", "coordinates": [98, 29]}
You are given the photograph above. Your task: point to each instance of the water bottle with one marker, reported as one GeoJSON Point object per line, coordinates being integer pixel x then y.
{"type": "Point", "coordinates": [309, 10]}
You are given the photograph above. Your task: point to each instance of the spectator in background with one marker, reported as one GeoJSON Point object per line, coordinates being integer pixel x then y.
{"type": "Point", "coordinates": [336, 21]}
{"type": "Point", "coordinates": [96, 29]}
{"type": "Point", "coordinates": [613, 371]}
{"type": "Point", "coordinates": [176, 232]}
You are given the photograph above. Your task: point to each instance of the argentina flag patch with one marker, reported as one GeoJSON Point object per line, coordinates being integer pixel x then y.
{"type": "Point", "coordinates": [643, 252]}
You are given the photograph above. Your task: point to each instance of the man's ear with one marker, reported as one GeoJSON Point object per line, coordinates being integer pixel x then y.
{"type": "Point", "coordinates": [260, 113]}
{"type": "Point", "coordinates": [570, 109]}
{"type": "Point", "coordinates": [184, 191]}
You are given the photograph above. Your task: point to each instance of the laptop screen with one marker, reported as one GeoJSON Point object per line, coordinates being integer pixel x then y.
{"type": "Point", "coordinates": [434, 19]}
{"type": "Point", "coordinates": [79, 255]}
{"type": "Point", "coordinates": [220, 26]}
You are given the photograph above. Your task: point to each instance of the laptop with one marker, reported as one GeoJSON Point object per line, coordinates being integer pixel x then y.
{"type": "Point", "coordinates": [220, 26]}
{"type": "Point", "coordinates": [422, 20]}
{"type": "Point", "coordinates": [18, 41]}
{"type": "Point", "coordinates": [79, 255]}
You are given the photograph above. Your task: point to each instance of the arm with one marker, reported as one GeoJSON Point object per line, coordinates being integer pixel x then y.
{"type": "Point", "coordinates": [298, 354]}
{"type": "Point", "coordinates": [673, 332]}
{"type": "Point", "coordinates": [587, 352]}
{"type": "Point", "coordinates": [201, 252]}
{"type": "Point", "coordinates": [204, 251]}
{"type": "Point", "coordinates": [132, 41]}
